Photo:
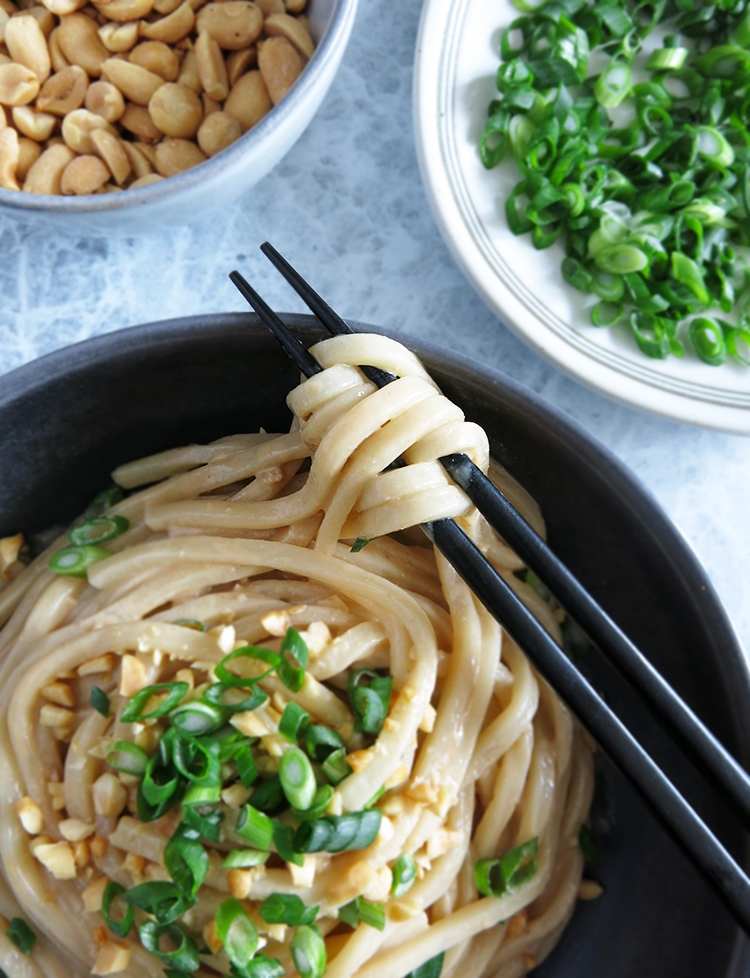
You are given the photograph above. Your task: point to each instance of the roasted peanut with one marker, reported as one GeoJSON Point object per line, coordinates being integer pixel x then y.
{"type": "Point", "coordinates": [233, 24]}
{"type": "Point", "coordinates": [118, 37]}
{"type": "Point", "coordinates": [282, 25]}
{"type": "Point", "coordinates": [81, 44]}
{"type": "Point", "coordinates": [109, 148]}
{"type": "Point", "coordinates": [249, 100]}
{"type": "Point", "coordinates": [145, 181]}
{"type": "Point", "coordinates": [211, 67]}
{"type": "Point", "coordinates": [189, 75]}
{"type": "Point", "coordinates": [280, 66]}
{"type": "Point", "coordinates": [104, 99]}
{"type": "Point", "coordinates": [5, 59]}
{"type": "Point", "coordinates": [138, 162]}
{"type": "Point", "coordinates": [29, 152]}
{"type": "Point", "coordinates": [295, 6]}
{"type": "Point", "coordinates": [56, 56]}
{"type": "Point", "coordinates": [176, 110]}
{"type": "Point", "coordinates": [268, 7]}
{"type": "Point", "coordinates": [238, 62]}
{"type": "Point", "coordinates": [126, 9]}
{"type": "Point", "coordinates": [3, 119]}
{"type": "Point", "coordinates": [84, 175]}
{"type": "Point", "coordinates": [136, 119]}
{"type": "Point", "coordinates": [45, 18]}
{"type": "Point", "coordinates": [165, 7]}
{"type": "Point", "coordinates": [218, 131]}
{"type": "Point", "coordinates": [18, 85]}
{"type": "Point", "coordinates": [8, 159]}
{"type": "Point", "coordinates": [172, 28]}
{"type": "Point", "coordinates": [28, 45]}
{"type": "Point", "coordinates": [64, 91]}
{"type": "Point", "coordinates": [135, 83]}
{"type": "Point", "coordinates": [4, 18]}
{"type": "Point", "coordinates": [63, 7]}
{"type": "Point", "coordinates": [35, 125]}
{"type": "Point", "coordinates": [45, 173]}
{"type": "Point", "coordinates": [148, 150]}
{"type": "Point", "coordinates": [174, 156]}
{"type": "Point", "coordinates": [209, 106]}
{"type": "Point", "coordinates": [157, 58]}
{"type": "Point", "coordinates": [77, 128]}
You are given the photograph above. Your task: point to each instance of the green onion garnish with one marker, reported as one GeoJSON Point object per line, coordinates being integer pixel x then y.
{"type": "Point", "coordinates": [297, 778]}
{"type": "Point", "coordinates": [262, 967]}
{"type": "Point", "coordinates": [197, 626]}
{"type": "Point", "coordinates": [369, 692]}
{"type": "Point", "coordinates": [236, 932]}
{"type": "Point", "coordinates": [98, 530]}
{"type": "Point", "coordinates": [497, 877]}
{"type": "Point", "coordinates": [283, 840]}
{"type": "Point", "coordinates": [197, 795]}
{"type": "Point", "coordinates": [246, 768]}
{"type": "Point", "coordinates": [294, 721]}
{"type": "Point", "coordinates": [208, 824]}
{"type": "Point", "coordinates": [21, 935]}
{"type": "Point", "coordinates": [272, 660]}
{"type": "Point", "coordinates": [359, 909]}
{"type": "Point", "coordinates": [217, 694]}
{"type": "Point", "coordinates": [197, 759]}
{"type": "Point", "coordinates": [269, 796]}
{"type": "Point", "coordinates": [430, 969]}
{"type": "Point", "coordinates": [186, 859]}
{"type": "Point", "coordinates": [321, 742]}
{"type": "Point", "coordinates": [336, 767]}
{"type": "Point", "coordinates": [255, 827]}
{"type": "Point", "coordinates": [281, 908]}
{"type": "Point", "coordinates": [184, 957]}
{"type": "Point", "coordinates": [136, 705]}
{"type": "Point", "coordinates": [339, 833]}
{"type": "Point", "coordinates": [128, 758]}
{"type": "Point", "coordinates": [163, 900]}
{"type": "Point", "coordinates": [100, 701]}
{"type": "Point", "coordinates": [119, 927]}
{"type": "Point", "coordinates": [322, 800]}
{"type": "Point", "coordinates": [198, 718]}
{"type": "Point", "coordinates": [361, 542]}
{"type": "Point", "coordinates": [308, 952]}
{"type": "Point", "coordinates": [75, 561]}
{"type": "Point", "coordinates": [294, 656]}
{"type": "Point", "coordinates": [103, 501]}
{"type": "Point", "coordinates": [404, 874]}
{"type": "Point", "coordinates": [244, 858]}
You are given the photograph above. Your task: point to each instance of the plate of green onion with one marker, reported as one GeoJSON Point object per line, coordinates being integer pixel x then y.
{"type": "Point", "coordinates": [589, 167]}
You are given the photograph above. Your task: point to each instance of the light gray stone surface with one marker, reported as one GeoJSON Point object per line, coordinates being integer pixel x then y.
{"type": "Point", "coordinates": [347, 207]}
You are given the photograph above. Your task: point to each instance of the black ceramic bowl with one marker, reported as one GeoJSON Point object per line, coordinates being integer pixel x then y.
{"type": "Point", "coordinates": [68, 419]}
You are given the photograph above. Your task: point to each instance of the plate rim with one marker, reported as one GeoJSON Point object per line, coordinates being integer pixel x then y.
{"type": "Point", "coordinates": [435, 41]}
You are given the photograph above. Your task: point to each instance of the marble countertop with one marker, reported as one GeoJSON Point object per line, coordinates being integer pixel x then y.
{"type": "Point", "coordinates": [347, 207]}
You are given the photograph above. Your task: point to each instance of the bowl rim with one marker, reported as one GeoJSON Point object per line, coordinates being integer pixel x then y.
{"type": "Point", "coordinates": [18, 204]}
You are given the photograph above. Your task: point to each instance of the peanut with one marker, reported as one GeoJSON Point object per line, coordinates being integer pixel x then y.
{"type": "Point", "coordinates": [117, 38]}
{"type": "Point", "coordinates": [45, 173]}
{"type": "Point", "coordinates": [209, 105]}
{"type": "Point", "coordinates": [29, 152]}
{"type": "Point", "coordinates": [172, 28]}
{"type": "Point", "coordinates": [28, 45]}
{"type": "Point", "coordinates": [9, 161]}
{"type": "Point", "coordinates": [63, 7]}
{"type": "Point", "coordinates": [238, 62]}
{"type": "Point", "coordinates": [174, 156]}
{"type": "Point", "coordinates": [35, 125]}
{"type": "Point", "coordinates": [64, 91]}
{"type": "Point", "coordinates": [136, 83]}
{"type": "Point", "coordinates": [4, 18]}
{"type": "Point", "coordinates": [233, 24]}
{"type": "Point", "coordinates": [145, 181]}
{"type": "Point", "coordinates": [295, 6]}
{"type": "Point", "coordinates": [136, 119]}
{"type": "Point", "coordinates": [77, 128]}
{"type": "Point", "coordinates": [19, 85]}
{"type": "Point", "coordinates": [249, 100]}
{"type": "Point", "coordinates": [164, 7]}
{"type": "Point", "coordinates": [81, 44]}
{"type": "Point", "coordinates": [282, 25]}
{"type": "Point", "coordinates": [218, 131]}
{"type": "Point", "coordinates": [140, 165]}
{"type": "Point", "coordinates": [156, 57]}
{"type": "Point", "coordinates": [280, 66]}
{"type": "Point", "coordinates": [269, 7]}
{"type": "Point", "coordinates": [110, 149]}
{"type": "Point", "coordinates": [176, 110]}
{"type": "Point", "coordinates": [105, 100]}
{"type": "Point", "coordinates": [126, 9]}
{"type": "Point", "coordinates": [45, 18]}
{"type": "Point", "coordinates": [189, 75]}
{"type": "Point", "coordinates": [56, 56]}
{"type": "Point", "coordinates": [211, 67]}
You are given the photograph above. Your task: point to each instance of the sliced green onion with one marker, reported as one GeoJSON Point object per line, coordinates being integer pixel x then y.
{"type": "Point", "coordinates": [404, 874]}
{"type": "Point", "coordinates": [136, 705]}
{"type": "Point", "coordinates": [297, 778]}
{"type": "Point", "coordinates": [667, 59]}
{"type": "Point", "coordinates": [575, 274]}
{"type": "Point", "coordinates": [185, 955]}
{"type": "Point", "coordinates": [272, 660]}
{"type": "Point", "coordinates": [361, 542]}
{"type": "Point", "coordinates": [708, 341]}
{"type": "Point", "coordinates": [119, 927]}
{"type": "Point", "coordinates": [198, 718]}
{"type": "Point", "coordinates": [294, 656]}
{"type": "Point", "coordinates": [246, 768]}
{"type": "Point", "coordinates": [128, 758]}
{"type": "Point", "coordinates": [650, 335]}
{"type": "Point", "coordinates": [163, 900]}
{"type": "Point", "coordinates": [283, 840]}
{"type": "Point", "coordinates": [308, 952]}
{"type": "Point", "coordinates": [216, 696]}
{"type": "Point", "coordinates": [98, 530]}
{"type": "Point", "coordinates": [714, 147]}
{"type": "Point", "coordinates": [197, 795]}
{"type": "Point", "coordinates": [262, 967]}
{"type": "Point", "coordinates": [244, 858]}
{"type": "Point", "coordinates": [688, 273]}
{"type": "Point", "coordinates": [339, 833]}
{"type": "Point", "coordinates": [498, 877]}
{"type": "Point", "coordinates": [186, 860]}
{"type": "Point", "coordinates": [236, 931]}
{"type": "Point", "coordinates": [255, 827]}
{"type": "Point", "coordinates": [197, 760]}
{"type": "Point", "coordinates": [613, 85]}
{"type": "Point", "coordinates": [208, 825]}
{"type": "Point", "coordinates": [320, 804]}
{"type": "Point", "coordinates": [607, 313]}
{"type": "Point", "coordinates": [731, 336]}
{"type": "Point", "coordinates": [103, 501]}
{"type": "Point", "coordinates": [100, 701]}
{"type": "Point", "coordinates": [281, 908]}
{"type": "Point", "coordinates": [589, 846]}
{"type": "Point", "coordinates": [75, 561]}
{"type": "Point", "coordinates": [336, 767]}
{"type": "Point", "coordinates": [21, 935]}
{"type": "Point", "coordinates": [430, 969]}
{"type": "Point", "coordinates": [193, 623]}
{"type": "Point", "coordinates": [359, 909]}
{"type": "Point", "coordinates": [620, 259]}
{"type": "Point", "coordinates": [369, 692]}
{"type": "Point", "coordinates": [606, 285]}
{"type": "Point", "coordinates": [269, 796]}
{"type": "Point", "coordinates": [321, 742]}
{"type": "Point", "coordinates": [294, 721]}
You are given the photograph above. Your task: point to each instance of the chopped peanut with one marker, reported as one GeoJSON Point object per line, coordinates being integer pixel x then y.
{"type": "Point", "coordinates": [94, 894]}
{"type": "Point", "coordinates": [398, 777]}
{"type": "Point", "coordinates": [239, 882]}
{"type": "Point", "coordinates": [100, 935]}
{"type": "Point", "coordinates": [58, 859]}
{"type": "Point", "coordinates": [82, 854]}
{"type": "Point", "coordinates": [528, 961]}
{"type": "Point", "coordinates": [317, 637]}
{"type": "Point", "coordinates": [250, 724]}
{"type": "Point", "coordinates": [276, 623]}
{"type": "Point", "coordinates": [401, 910]}
{"type": "Point", "coordinates": [186, 676]}
{"type": "Point", "coordinates": [40, 840]}
{"type": "Point", "coordinates": [55, 716]}
{"type": "Point", "coordinates": [346, 886]}
{"type": "Point", "coordinates": [518, 923]}
{"type": "Point", "coordinates": [227, 636]}
{"type": "Point", "coordinates": [441, 841]}
{"type": "Point", "coordinates": [304, 875]}
{"type": "Point", "coordinates": [235, 795]}
{"type": "Point", "coordinates": [30, 815]}
{"type": "Point", "coordinates": [135, 865]}
{"type": "Point", "coordinates": [112, 957]}
{"type": "Point", "coordinates": [277, 932]}
{"type": "Point", "coordinates": [98, 847]}
{"type": "Point", "coordinates": [59, 693]}
{"type": "Point", "coordinates": [211, 938]}
{"type": "Point", "coordinates": [75, 829]}
{"type": "Point", "coordinates": [422, 792]}
{"type": "Point", "coordinates": [428, 719]}
{"type": "Point", "coordinates": [133, 676]}
{"type": "Point", "coordinates": [360, 759]}
{"type": "Point", "coordinates": [9, 547]}
{"type": "Point", "coordinates": [110, 797]}
{"type": "Point", "coordinates": [102, 663]}
{"type": "Point", "coordinates": [589, 890]}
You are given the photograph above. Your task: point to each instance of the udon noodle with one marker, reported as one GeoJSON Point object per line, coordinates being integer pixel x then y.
{"type": "Point", "coordinates": [247, 538]}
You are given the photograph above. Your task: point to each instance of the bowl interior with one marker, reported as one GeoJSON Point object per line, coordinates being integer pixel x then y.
{"type": "Point", "coordinates": [67, 420]}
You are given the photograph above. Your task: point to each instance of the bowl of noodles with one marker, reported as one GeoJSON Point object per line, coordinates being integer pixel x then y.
{"type": "Point", "coordinates": [252, 725]}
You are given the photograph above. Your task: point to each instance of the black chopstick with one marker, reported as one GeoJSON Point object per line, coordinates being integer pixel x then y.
{"type": "Point", "coordinates": [691, 735]}
{"type": "Point", "coordinates": [671, 809]}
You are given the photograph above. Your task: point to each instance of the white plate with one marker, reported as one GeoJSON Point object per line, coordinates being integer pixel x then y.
{"type": "Point", "coordinates": [454, 81]}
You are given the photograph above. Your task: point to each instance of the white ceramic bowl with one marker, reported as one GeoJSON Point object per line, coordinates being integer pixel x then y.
{"type": "Point", "coordinates": [220, 179]}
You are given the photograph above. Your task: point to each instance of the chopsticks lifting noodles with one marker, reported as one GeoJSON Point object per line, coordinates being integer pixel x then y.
{"type": "Point", "coordinates": [694, 837]}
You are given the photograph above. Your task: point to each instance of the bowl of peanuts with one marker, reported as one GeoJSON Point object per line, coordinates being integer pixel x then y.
{"type": "Point", "coordinates": [116, 114]}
